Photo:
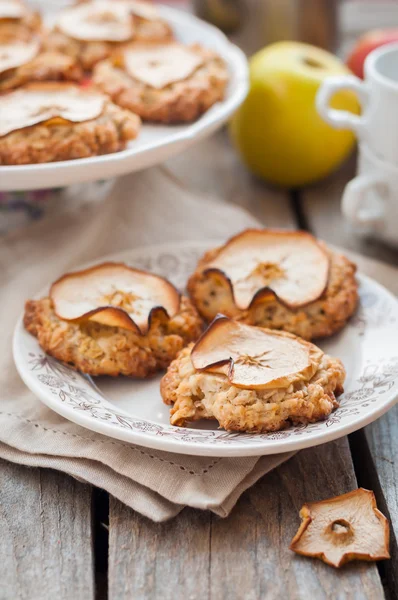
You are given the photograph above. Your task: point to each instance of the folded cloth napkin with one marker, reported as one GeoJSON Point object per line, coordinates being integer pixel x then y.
{"type": "Point", "coordinates": [140, 209]}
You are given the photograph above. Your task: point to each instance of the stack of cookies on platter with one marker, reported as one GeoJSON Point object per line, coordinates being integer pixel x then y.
{"type": "Point", "coordinates": [263, 295]}
{"type": "Point", "coordinates": [83, 87]}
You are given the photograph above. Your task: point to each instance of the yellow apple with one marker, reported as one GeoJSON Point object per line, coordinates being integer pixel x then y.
{"type": "Point", "coordinates": [277, 129]}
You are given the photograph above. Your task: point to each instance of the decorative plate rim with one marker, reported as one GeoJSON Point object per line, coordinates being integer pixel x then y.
{"type": "Point", "coordinates": [79, 400]}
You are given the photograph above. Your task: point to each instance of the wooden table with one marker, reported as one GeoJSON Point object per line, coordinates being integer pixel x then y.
{"type": "Point", "coordinates": [62, 539]}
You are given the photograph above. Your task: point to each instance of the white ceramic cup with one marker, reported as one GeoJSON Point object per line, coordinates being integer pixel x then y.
{"type": "Point", "coordinates": [377, 126]}
{"type": "Point", "coordinates": [370, 200]}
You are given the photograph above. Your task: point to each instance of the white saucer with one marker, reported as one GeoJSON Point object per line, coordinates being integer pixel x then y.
{"type": "Point", "coordinates": [133, 411]}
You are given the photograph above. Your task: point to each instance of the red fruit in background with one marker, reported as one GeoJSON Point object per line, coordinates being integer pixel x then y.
{"type": "Point", "coordinates": [367, 43]}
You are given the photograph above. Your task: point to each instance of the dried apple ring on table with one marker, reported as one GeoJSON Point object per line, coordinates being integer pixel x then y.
{"type": "Point", "coordinates": [112, 319]}
{"type": "Point", "coordinates": [285, 280]}
{"type": "Point", "coordinates": [164, 83]}
{"type": "Point", "coordinates": [342, 529]}
{"type": "Point", "coordinates": [92, 31]}
{"type": "Point", "coordinates": [45, 122]}
{"type": "Point", "coordinates": [251, 379]}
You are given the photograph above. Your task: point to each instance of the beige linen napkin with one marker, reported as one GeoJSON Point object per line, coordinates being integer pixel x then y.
{"type": "Point", "coordinates": [146, 208]}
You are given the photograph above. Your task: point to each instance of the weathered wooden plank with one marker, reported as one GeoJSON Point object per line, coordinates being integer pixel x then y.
{"type": "Point", "coordinates": [46, 535]}
{"type": "Point", "coordinates": [321, 206]}
{"type": "Point", "coordinates": [245, 556]}
{"type": "Point", "coordinates": [381, 437]}
{"type": "Point", "coordinates": [153, 561]}
{"type": "Point", "coordinates": [213, 167]}
{"type": "Point", "coordinates": [249, 551]}
{"type": "Point", "coordinates": [375, 455]}
{"type": "Point", "coordinates": [375, 449]}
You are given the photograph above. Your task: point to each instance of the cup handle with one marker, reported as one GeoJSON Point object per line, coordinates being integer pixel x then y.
{"type": "Point", "coordinates": [341, 119]}
{"type": "Point", "coordinates": [355, 195]}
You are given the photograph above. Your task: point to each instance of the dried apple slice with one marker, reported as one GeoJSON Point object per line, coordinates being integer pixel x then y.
{"type": "Point", "coordinates": [114, 294]}
{"type": "Point", "coordinates": [12, 9]}
{"type": "Point", "coordinates": [342, 529]}
{"type": "Point", "coordinates": [100, 21]}
{"type": "Point", "coordinates": [253, 357]}
{"type": "Point", "coordinates": [159, 66]}
{"type": "Point", "coordinates": [291, 265]}
{"type": "Point", "coordinates": [16, 54]}
{"type": "Point", "coordinates": [41, 102]}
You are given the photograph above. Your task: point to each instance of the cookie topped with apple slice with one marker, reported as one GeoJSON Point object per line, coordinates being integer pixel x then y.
{"type": "Point", "coordinates": [112, 319]}
{"type": "Point", "coordinates": [52, 121]}
{"type": "Point", "coordinates": [251, 379]}
{"type": "Point", "coordinates": [164, 83]}
{"type": "Point", "coordinates": [279, 279]}
{"type": "Point", "coordinates": [92, 30]}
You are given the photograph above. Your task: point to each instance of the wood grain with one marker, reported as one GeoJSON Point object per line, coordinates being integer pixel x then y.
{"type": "Point", "coordinates": [382, 476]}
{"type": "Point", "coordinates": [245, 556]}
{"type": "Point", "coordinates": [268, 516]}
{"type": "Point", "coordinates": [158, 560]}
{"type": "Point", "coordinates": [46, 536]}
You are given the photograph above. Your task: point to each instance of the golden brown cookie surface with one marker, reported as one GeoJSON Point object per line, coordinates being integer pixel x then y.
{"type": "Point", "coordinates": [168, 83]}
{"type": "Point", "coordinates": [46, 122]}
{"type": "Point", "coordinates": [101, 350]}
{"type": "Point", "coordinates": [212, 291]}
{"type": "Point", "coordinates": [306, 397]}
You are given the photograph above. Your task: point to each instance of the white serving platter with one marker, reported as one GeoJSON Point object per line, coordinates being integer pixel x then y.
{"type": "Point", "coordinates": [156, 143]}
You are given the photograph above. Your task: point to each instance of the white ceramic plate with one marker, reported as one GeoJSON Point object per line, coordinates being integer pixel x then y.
{"type": "Point", "coordinates": [156, 143]}
{"type": "Point", "coordinates": [133, 411]}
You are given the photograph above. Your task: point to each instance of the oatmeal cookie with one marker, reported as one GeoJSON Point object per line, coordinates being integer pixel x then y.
{"type": "Point", "coordinates": [168, 83]}
{"type": "Point", "coordinates": [47, 122]}
{"type": "Point", "coordinates": [145, 25]}
{"type": "Point", "coordinates": [326, 294]}
{"type": "Point", "coordinates": [102, 350]}
{"type": "Point", "coordinates": [46, 66]}
{"type": "Point", "coordinates": [304, 397]}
